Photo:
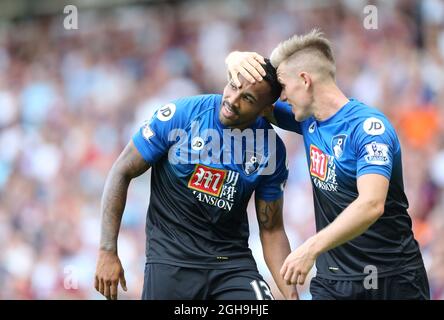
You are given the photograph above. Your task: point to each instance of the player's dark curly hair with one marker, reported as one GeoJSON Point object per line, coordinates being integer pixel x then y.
{"type": "Point", "coordinates": [271, 78]}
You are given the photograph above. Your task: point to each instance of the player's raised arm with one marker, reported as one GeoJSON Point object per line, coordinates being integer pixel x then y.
{"type": "Point", "coordinates": [109, 271]}
{"type": "Point", "coordinates": [274, 241]}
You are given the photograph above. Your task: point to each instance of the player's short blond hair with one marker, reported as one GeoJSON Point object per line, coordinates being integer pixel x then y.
{"type": "Point", "coordinates": [311, 51]}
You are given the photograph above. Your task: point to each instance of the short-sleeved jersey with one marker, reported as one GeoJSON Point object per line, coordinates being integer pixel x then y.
{"type": "Point", "coordinates": [201, 182]}
{"type": "Point", "coordinates": [357, 140]}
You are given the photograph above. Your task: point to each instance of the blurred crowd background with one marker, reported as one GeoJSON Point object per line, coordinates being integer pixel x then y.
{"type": "Point", "coordinates": [71, 99]}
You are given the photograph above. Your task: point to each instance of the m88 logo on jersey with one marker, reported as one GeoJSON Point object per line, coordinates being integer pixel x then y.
{"type": "Point", "coordinates": [318, 163]}
{"type": "Point", "coordinates": [322, 169]}
{"type": "Point", "coordinates": [216, 187]}
{"type": "Point", "coordinates": [208, 180]}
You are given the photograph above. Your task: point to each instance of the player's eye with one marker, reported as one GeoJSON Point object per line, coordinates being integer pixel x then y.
{"type": "Point", "coordinates": [248, 99]}
{"type": "Point", "coordinates": [232, 85]}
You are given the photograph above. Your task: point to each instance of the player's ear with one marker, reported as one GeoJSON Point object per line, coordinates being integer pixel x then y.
{"type": "Point", "coordinates": [306, 80]}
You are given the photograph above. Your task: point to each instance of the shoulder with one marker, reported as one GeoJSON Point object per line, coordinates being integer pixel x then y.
{"type": "Point", "coordinates": [203, 100]}
{"type": "Point", "coordinates": [371, 121]}
{"type": "Point", "coordinates": [369, 124]}
{"type": "Point", "coordinates": [187, 108]}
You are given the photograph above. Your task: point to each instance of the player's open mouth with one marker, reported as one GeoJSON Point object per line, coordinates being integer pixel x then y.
{"type": "Point", "coordinates": [227, 111]}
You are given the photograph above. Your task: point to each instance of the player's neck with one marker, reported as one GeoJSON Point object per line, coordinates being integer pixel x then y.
{"type": "Point", "coordinates": [244, 126]}
{"type": "Point", "coordinates": [241, 126]}
{"type": "Point", "coordinates": [328, 102]}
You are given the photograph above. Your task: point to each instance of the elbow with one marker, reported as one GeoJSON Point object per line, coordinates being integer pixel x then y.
{"type": "Point", "coordinates": [379, 208]}
{"type": "Point", "coordinates": [120, 171]}
{"type": "Point", "coordinates": [118, 175]}
{"type": "Point", "coordinates": [376, 208]}
{"type": "Point", "coordinates": [271, 235]}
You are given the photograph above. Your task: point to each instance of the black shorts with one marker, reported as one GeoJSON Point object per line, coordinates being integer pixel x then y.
{"type": "Point", "coordinates": [168, 282]}
{"type": "Point", "coordinates": [409, 285]}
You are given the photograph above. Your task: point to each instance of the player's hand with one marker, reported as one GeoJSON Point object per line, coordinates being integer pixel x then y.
{"type": "Point", "coordinates": [109, 273]}
{"type": "Point", "coordinates": [248, 64]}
{"type": "Point", "coordinates": [292, 294]}
{"type": "Point", "coordinates": [298, 264]}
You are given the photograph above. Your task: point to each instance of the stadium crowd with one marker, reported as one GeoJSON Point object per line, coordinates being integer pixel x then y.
{"type": "Point", "coordinates": [71, 99]}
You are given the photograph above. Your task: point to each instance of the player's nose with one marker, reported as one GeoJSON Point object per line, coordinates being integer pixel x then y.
{"type": "Point", "coordinates": [233, 99]}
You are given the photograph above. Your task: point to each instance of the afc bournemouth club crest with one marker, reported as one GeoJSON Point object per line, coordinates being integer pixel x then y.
{"type": "Point", "coordinates": [251, 162]}
{"type": "Point", "coordinates": [337, 145]}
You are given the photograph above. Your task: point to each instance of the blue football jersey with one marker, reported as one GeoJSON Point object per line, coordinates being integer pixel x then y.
{"type": "Point", "coordinates": [203, 176]}
{"type": "Point", "coordinates": [357, 140]}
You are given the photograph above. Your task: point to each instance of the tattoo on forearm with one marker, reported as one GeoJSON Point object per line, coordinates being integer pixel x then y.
{"type": "Point", "coordinates": [269, 214]}
{"type": "Point", "coordinates": [129, 165]}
